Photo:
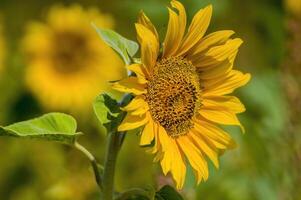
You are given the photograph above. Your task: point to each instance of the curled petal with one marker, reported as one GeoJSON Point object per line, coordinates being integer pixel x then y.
{"type": "Point", "coordinates": [197, 29]}
{"type": "Point", "coordinates": [175, 30]}
{"type": "Point", "coordinates": [129, 85]}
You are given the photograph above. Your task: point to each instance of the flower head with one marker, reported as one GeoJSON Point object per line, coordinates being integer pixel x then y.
{"type": "Point", "coordinates": [68, 65]}
{"type": "Point", "coordinates": [181, 93]}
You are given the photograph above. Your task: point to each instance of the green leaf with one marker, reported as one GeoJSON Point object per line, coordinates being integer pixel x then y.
{"type": "Point", "coordinates": [121, 45]}
{"type": "Point", "coordinates": [56, 127]}
{"type": "Point", "coordinates": [168, 193]}
{"type": "Point", "coordinates": [105, 108]}
{"type": "Point", "coordinates": [107, 111]}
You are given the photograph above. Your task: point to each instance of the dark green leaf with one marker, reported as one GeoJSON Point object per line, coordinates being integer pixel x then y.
{"type": "Point", "coordinates": [57, 127]}
{"type": "Point", "coordinates": [121, 45]}
{"type": "Point", "coordinates": [168, 193]}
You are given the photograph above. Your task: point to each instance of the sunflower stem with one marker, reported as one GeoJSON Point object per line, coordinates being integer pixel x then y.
{"type": "Point", "coordinates": [115, 141]}
{"type": "Point", "coordinates": [93, 161]}
{"type": "Point", "coordinates": [109, 166]}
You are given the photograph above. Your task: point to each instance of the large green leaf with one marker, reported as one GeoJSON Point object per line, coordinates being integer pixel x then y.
{"type": "Point", "coordinates": [124, 47]}
{"type": "Point", "coordinates": [168, 193]}
{"type": "Point", "coordinates": [57, 127]}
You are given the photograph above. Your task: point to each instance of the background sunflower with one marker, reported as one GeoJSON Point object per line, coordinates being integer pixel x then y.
{"type": "Point", "coordinates": [68, 65]}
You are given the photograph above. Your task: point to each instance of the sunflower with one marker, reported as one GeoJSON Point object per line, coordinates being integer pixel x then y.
{"type": "Point", "coordinates": [68, 65]}
{"type": "Point", "coordinates": [181, 93]}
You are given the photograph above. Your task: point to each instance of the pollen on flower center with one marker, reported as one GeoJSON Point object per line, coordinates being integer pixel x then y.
{"type": "Point", "coordinates": [174, 95]}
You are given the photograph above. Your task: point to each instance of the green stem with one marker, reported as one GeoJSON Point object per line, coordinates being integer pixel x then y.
{"type": "Point", "coordinates": [93, 163]}
{"type": "Point", "coordinates": [109, 166]}
{"type": "Point", "coordinates": [115, 141]}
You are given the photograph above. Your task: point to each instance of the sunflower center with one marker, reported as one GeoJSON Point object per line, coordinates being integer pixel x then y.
{"type": "Point", "coordinates": [174, 95]}
{"type": "Point", "coordinates": [71, 52]}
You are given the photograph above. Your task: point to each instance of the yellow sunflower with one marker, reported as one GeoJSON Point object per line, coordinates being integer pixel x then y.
{"type": "Point", "coordinates": [181, 93]}
{"type": "Point", "coordinates": [68, 65]}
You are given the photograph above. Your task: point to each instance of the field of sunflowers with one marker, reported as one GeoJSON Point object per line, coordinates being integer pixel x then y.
{"type": "Point", "coordinates": [150, 99]}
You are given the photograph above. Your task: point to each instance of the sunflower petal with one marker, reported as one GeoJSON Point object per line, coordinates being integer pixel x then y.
{"type": "Point", "coordinates": [204, 147]}
{"type": "Point", "coordinates": [225, 85]}
{"type": "Point", "coordinates": [197, 29]}
{"type": "Point", "coordinates": [147, 135]}
{"type": "Point", "coordinates": [195, 158]}
{"type": "Point", "coordinates": [221, 68]}
{"type": "Point", "coordinates": [140, 72]}
{"type": "Point", "coordinates": [145, 21]}
{"type": "Point", "coordinates": [221, 117]}
{"type": "Point", "coordinates": [129, 85]}
{"type": "Point", "coordinates": [134, 104]}
{"type": "Point", "coordinates": [166, 161]}
{"type": "Point", "coordinates": [131, 122]}
{"type": "Point", "coordinates": [178, 167]}
{"type": "Point", "coordinates": [213, 39]}
{"type": "Point", "coordinates": [149, 46]}
{"type": "Point", "coordinates": [157, 146]}
{"type": "Point", "coordinates": [216, 135]}
{"type": "Point", "coordinates": [230, 103]}
{"type": "Point", "coordinates": [219, 53]}
{"type": "Point", "coordinates": [176, 29]}
{"type": "Point", "coordinates": [164, 139]}
{"type": "Point", "coordinates": [141, 111]}
{"type": "Point", "coordinates": [173, 161]}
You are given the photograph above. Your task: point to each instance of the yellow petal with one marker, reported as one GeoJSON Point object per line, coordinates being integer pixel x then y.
{"type": "Point", "coordinates": [164, 139]}
{"type": "Point", "coordinates": [166, 161]}
{"type": "Point", "coordinates": [134, 104]}
{"type": "Point", "coordinates": [141, 111]}
{"type": "Point", "coordinates": [213, 39]}
{"type": "Point", "coordinates": [147, 135]}
{"type": "Point", "coordinates": [219, 53]}
{"type": "Point", "coordinates": [204, 147]}
{"type": "Point", "coordinates": [221, 117]}
{"type": "Point", "coordinates": [197, 29]}
{"type": "Point", "coordinates": [225, 85]}
{"type": "Point", "coordinates": [178, 167]}
{"type": "Point", "coordinates": [132, 122]}
{"type": "Point", "coordinates": [195, 158]}
{"type": "Point", "coordinates": [144, 20]}
{"type": "Point", "coordinates": [139, 70]}
{"type": "Point", "coordinates": [221, 68]}
{"type": "Point", "coordinates": [157, 146]}
{"type": "Point", "coordinates": [149, 46]}
{"type": "Point", "coordinates": [214, 134]}
{"type": "Point", "coordinates": [130, 85]}
{"type": "Point", "coordinates": [176, 29]}
{"type": "Point", "coordinates": [230, 103]}
{"type": "Point", "coordinates": [173, 161]}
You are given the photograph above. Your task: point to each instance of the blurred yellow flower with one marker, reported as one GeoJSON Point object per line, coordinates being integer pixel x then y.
{"type": "Point", "coordinates": [294, 6]}
{"type": "Point", "coordinates": [68, 65]}
{"type": "Point", "coordinates": [181, 95]}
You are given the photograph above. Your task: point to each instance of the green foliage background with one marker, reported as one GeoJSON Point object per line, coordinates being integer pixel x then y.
{"type": "Point", "coordinates": [259, 169]}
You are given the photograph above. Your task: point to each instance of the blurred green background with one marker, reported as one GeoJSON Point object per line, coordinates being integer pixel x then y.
{"type": "Point", "coordinates": [266, 163]}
